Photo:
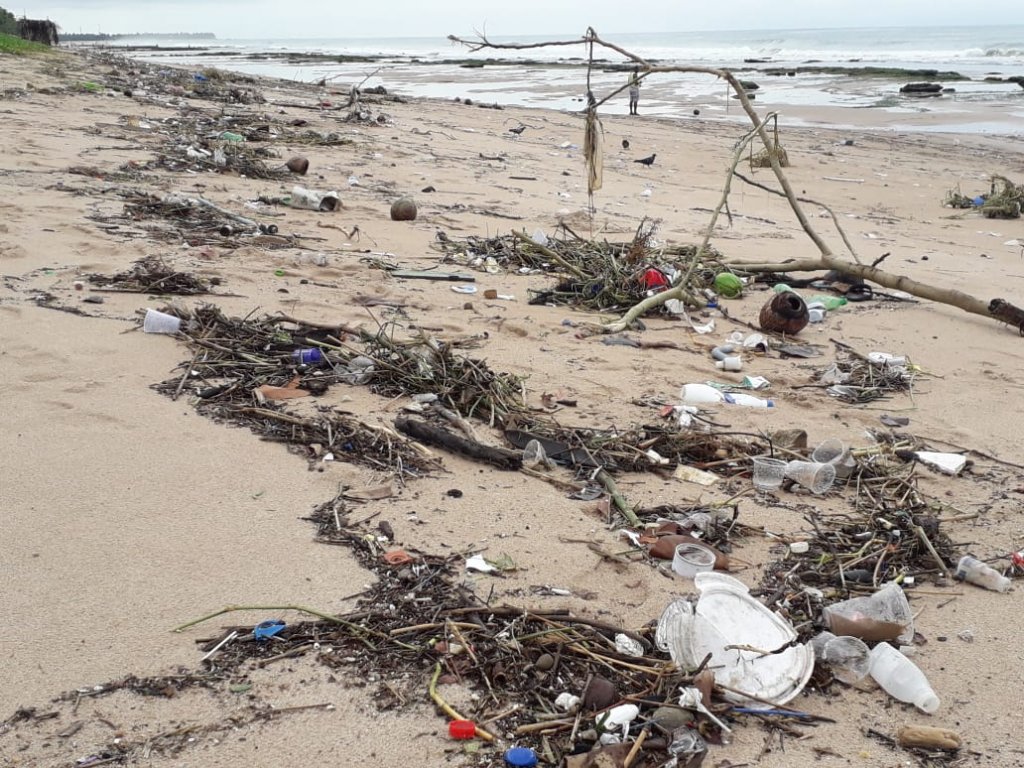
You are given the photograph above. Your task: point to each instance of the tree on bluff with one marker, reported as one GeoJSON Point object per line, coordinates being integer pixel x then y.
{"type": "Point", "coordinates": [8, 24]}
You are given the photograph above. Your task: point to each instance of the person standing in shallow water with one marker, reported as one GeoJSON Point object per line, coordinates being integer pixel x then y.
{"type": "Point", "coordinates": [634, 91]}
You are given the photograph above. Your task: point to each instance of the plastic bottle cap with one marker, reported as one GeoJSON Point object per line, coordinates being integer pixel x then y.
{"type": "Point", "coordinates": [521, 757]}
{"type": "Point", "coordinates": [462, 729]}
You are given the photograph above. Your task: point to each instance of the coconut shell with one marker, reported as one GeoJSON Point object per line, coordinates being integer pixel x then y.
{"type": "Point", "coordinates": [600, 694]}
{"type": "Point", "coordinates": [784, 312]}
{"type": "Point", "coordinates": [403, 209]}
{"type": "Point", "coordinates": [298, 165]}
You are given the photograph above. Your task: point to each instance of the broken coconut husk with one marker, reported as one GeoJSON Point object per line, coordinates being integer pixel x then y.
{"type": "Point", "coordinates": [784, 312]}
{"type": "Point", "coordinates": [403, 209]}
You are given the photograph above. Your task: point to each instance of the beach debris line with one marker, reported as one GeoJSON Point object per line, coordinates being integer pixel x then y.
{"type": "Point", "coordinates": [593, 274]}
{"type": "Point", "coordinates": [153, 275]}
{"type": "Point", "coordinates": [827, 260]}
{"type": "Point", "coordinates": [1004, 200]}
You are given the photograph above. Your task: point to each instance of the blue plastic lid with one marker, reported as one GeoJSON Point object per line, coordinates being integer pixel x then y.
{"type": "Point", "coordinates": [521, 757]}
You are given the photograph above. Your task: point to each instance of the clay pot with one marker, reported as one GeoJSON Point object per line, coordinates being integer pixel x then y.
{"type": "Point", "coordinates": [784, 313]}
{"type": "Point", "coordinates": [403, 209]}
{"type": "Point", "coordinates": [298, 165]}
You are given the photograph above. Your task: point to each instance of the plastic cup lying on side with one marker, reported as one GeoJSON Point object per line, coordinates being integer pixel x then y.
{"type": "Point", "coordinates": [160, 322]}
{"type": "Point", "coordinates": [835, 452]}
{"type": "Point", "coordinates": [768, 473]}
{"type": "Point", "coordinates": [691, 559]}
{"type": "Point", "coordinates": [812, 475]}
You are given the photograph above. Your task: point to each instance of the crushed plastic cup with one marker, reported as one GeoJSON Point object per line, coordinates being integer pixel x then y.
{"type": "Point", "coordinates": [691, 559]}
{"type": "Point", "coordinates": [160, 322]}
{"type": "Point", "coordinates": [848, 657]}
{"type": "Point", "coordinates": [885, 615]}
{"type": "Point", "coordinates": [836, 453]}
{"type": "Point", "coordinates": [534, 455]}
{"type": "Point", "coordinates": [812, 475]}
{"type": "Point", "coordinates": [768, 473]}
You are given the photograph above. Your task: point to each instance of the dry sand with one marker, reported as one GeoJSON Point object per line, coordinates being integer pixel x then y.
{"type": "Point", "coordinates": [125, 514]}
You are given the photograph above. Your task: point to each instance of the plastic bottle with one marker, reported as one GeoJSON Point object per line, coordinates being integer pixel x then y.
{"type": "Point", "coordinates": [828, 302]}
{"type": "Point", "coordinates": [740, 398]}
{"type": "Point", "coordinates": [700, 394]}
{"type": "Point", "coordinates": [973, 570]}
{"type": "Point", "coordinates": [902, 679]}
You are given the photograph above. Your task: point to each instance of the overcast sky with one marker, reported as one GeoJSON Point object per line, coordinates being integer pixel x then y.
{"type": "Point", "coordinates": [405, 18]}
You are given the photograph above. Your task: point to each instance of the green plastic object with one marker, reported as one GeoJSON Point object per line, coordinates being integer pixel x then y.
{"type": "Point", "coordinates": [728, 285]}
{"type": "Point", "coordinates": [830, 302]}
{"type": "Point", "coordinates": [229, 136]}
{"type": "Point", "coordinates": [781, 288]}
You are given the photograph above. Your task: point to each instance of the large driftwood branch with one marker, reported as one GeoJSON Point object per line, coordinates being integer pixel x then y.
{"type": "Point", "coordinates": [997, 309]}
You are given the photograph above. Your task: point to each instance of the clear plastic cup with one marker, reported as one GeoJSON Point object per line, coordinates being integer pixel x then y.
{"type": "Point", "coordinates": [768, 473]}
{"type": "Point", "coordinates": [848, 657]}
{"type": "Point", "coordinates": [836, 453]}
{"type": "Point", "coordinates": [534, 454]}
{"type": "Point", "coordinates": [160, 322]}
{"type": "Point", "coordinates": [812, 475]}
{"type": "Point", "coordinates": [691, 559]}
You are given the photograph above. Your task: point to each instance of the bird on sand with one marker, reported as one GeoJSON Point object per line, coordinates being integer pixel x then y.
{"type": "Point", "coordinates": [646, 160]}
{"type": "Point", "coordinates": [625, 143]}
{"type": "Point", "coordinates": [517, 130]}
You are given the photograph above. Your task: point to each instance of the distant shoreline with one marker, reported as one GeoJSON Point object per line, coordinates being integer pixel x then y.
{"type": "Point", "coordinates": [99, 37]}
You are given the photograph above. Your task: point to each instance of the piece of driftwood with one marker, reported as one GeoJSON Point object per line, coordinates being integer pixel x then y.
{"type": "Point", "coordinates": [428, 433]}
{"type": "Point", "coordinates": [826, 260]}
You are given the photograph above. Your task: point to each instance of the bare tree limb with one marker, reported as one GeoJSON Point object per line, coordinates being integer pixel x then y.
{"type": "Point", "coordinates": [996, 309]}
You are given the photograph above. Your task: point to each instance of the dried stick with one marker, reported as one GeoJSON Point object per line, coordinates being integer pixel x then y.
{"type": "Point", "coordinates": [447, 708]}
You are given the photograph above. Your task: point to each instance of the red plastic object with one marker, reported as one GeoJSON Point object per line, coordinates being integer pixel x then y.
{"type": "Point", "coordinates": [462, 729]}
{"type": "Point", "coordinates": [1018, 560]}
{"type": "Point", "coordinates": [653, 278]}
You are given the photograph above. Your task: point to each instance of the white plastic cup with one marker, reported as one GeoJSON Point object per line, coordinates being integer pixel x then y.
{"type": "Point", "coordinates": [160, 322]}
{"type": "Point", "coordinates": [768, 473]}
{"type": "Point", "coordinates": [691, 559]}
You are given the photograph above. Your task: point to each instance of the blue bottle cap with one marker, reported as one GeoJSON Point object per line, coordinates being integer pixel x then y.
{"type": "Point", "coordinates": [521, 757]}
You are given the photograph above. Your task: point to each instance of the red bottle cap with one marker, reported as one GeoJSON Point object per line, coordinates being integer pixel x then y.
{"type": "Point", "coordinates": [462, 729]}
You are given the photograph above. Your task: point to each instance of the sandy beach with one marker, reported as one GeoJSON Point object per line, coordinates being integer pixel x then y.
{"type": "Point", "coordinates": [127, 513]}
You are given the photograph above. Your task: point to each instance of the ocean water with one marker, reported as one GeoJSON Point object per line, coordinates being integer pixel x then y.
{"type": "Point", "coordinates": [539, 77]}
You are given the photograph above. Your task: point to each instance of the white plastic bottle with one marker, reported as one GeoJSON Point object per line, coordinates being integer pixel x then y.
{"type": "Point", "coordinates": [901, 678]}
{"type": "Point", "coordinates": [700, 394]}
{"type": "Point", "coordinates": [741, 398]}
{"type": "Point", "coordinates": [973, 570]}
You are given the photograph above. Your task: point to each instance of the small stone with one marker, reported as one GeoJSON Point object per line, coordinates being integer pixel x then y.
{"type": "Point", "coordinates": [545, 662]}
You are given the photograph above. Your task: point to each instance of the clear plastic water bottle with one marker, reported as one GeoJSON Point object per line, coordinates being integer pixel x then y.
{"type": "Point", "coordinates": [973, 570]}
